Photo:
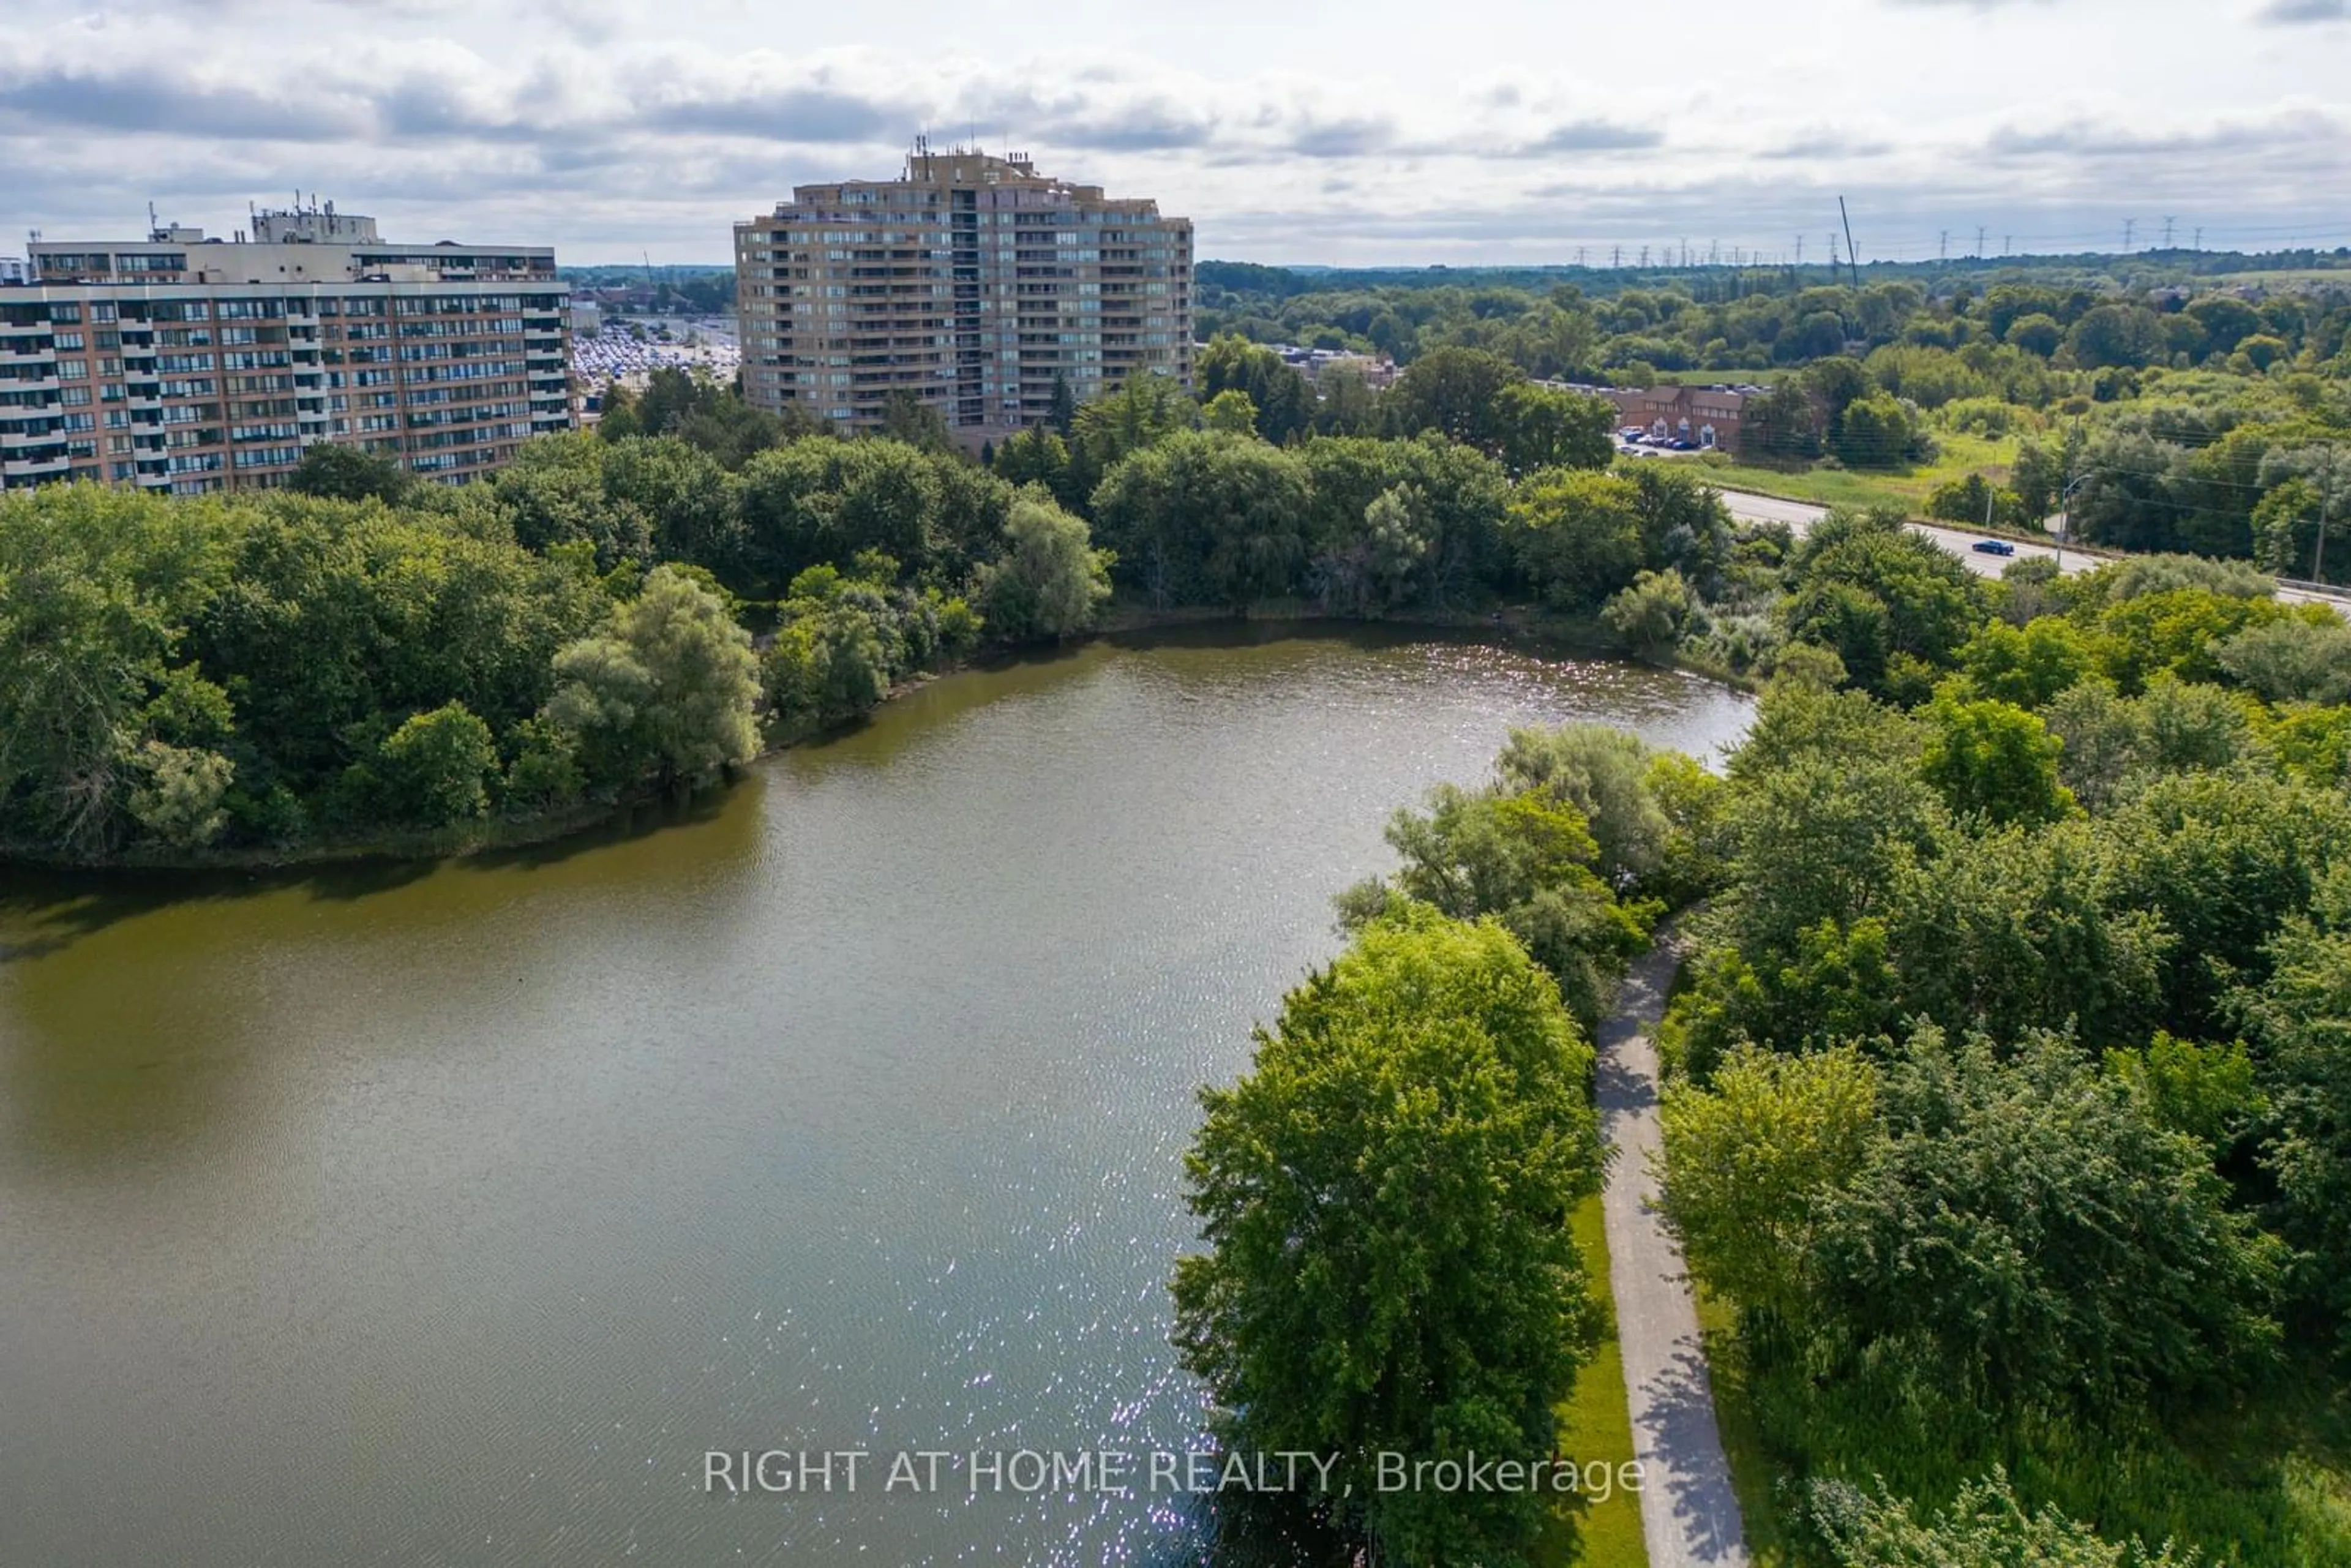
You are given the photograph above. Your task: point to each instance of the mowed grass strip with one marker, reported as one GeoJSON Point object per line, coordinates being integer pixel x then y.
{"type": "Point", "coordinates": [1596, 1427]}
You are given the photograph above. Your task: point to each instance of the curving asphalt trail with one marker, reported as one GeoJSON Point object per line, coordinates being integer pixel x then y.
{"type": "Point", "coordinates": [1690, 1515]}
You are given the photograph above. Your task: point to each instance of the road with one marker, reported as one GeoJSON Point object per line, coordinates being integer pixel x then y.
{"type": "Point", "coordinates": [1800, 515]}
{"type": "Point", "coordinates": [1690, 1515]}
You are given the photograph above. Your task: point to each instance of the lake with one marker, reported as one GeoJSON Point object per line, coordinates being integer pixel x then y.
{"type": "Point", "coordinates": [451, 1213]}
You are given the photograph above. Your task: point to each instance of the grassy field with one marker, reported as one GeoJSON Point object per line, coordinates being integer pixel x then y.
{"type": "Point", "coordinates": [1960, 455]}
{"type": "Point", "coordinates": [1596, 1424]}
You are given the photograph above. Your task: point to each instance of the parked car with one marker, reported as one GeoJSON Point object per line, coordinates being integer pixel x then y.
{"type": "Point", "coordinates": [1993, 547]}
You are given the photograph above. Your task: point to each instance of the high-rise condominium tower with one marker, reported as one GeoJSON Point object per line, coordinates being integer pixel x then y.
{"type": "Point", "coordinates": [189, 364]}
{"type": "Point", "coordinates": [969, 281]}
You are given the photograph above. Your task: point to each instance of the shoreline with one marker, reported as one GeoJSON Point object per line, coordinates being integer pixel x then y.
{"type": "Point", "coordinates": [1521, 626]}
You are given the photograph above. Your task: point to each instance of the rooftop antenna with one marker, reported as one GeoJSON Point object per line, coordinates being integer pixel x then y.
{"type": "Point", "coordinates": [1852, 256]}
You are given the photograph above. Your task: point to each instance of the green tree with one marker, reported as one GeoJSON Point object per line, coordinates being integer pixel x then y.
{"type": "Point", "coordinates": [1604, 773]}
{"type": "Point", "coordinates": [338, 472]}
{"type": "Point", "coordinates": [1870, 589]}
{"type": "Point", "coordinates": [2301, 1017]}
{"type": "Point", "coordinates": [1542, 428]}
{"type": "Point", "coordinates": [2027, 1231]}
{"type": "Point", "coordinates": [1458, 393]}
{"type": "Point", "coordinates": [2224, 859]}
{"type": "Point", "coordinates": [1576, 534]}
{"type": "Point", "coordinates": [2292, 660]}
{"type": "Point", "coordinates": [1144, 410]}
{"type": "Point", "coordinates": [1281, 401]}
{"type": "Point", "coordinates": [2028, 666]}
{"type": "Point", "coordinates": [1524, 858]}
{"type": "Point", "coordinates": [907, 416]}
{"type": "Point", "coordinates": [1037, 455]}
{"type": "Point", "coordinates": [1050, 582]}
{"type": "Point", "coordinates": [2115, 335]}
{"type": "Point", "coordinates": [1992, 760]}
{"type": "Point", "coordinates": [1786, 424]}
{"type": "Point", "coordinates": [665, 692]}
{"type": "Point", "coordinates": [2037, 334]}
{"type": "Point", "coordinates": [1231, 412]}
{"type": "Point", "coordinates": [1879, 430]}
{"type": "Point", "coordinates": [1202, 518]}
{"type": "Point", "coordinates": [435, 769]}
{"type": "Point", "coordinates": [1385, 1200]}
{"type": "Point", "coordinates": [1347, 404]}
{"type": "Point", "coordinates": [1749, 1160]}
{"type": "Point", "coordinates": [2104, 737]}
{"type": "Point", "coordinates": [178, 801]}
{"type": "Point", "coordinates": [1453, 495]}
{"type": "Point", "coordinates": [1651, 617]}
{"type": "Point", "coordinates": [553, 494]}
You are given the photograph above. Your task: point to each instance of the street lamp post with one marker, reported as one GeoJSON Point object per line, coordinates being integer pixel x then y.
{"type": "Point", "coordinates": [2066, 515]}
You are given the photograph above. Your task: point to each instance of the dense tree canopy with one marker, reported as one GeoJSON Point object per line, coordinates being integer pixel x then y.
{"type": "Point", "coordinates": [1384, 1199]}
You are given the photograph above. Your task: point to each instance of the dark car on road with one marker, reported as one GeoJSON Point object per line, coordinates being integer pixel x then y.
{"type": "Point", "coordinates": [1993, 547]}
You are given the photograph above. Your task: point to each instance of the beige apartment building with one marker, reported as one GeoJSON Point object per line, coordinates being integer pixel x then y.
{"type": "Point", "coordinates": [970, 281]}
{"type": "Point", "coordinates": [189, 363]}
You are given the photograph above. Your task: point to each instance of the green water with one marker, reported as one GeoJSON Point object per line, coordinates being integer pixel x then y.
{"type": "Point", "coordinates": [450, 1214]}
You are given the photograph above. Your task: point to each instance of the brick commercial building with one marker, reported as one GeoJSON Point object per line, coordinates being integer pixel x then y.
{"type": "Point", "coordinates": [971, 282]}
{"type": "Point", "coordinates": [1707, 416]}
{"type": "Point", "coordinates": [191, 364]}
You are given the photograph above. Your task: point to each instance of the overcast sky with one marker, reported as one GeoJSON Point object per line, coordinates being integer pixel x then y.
{"type": "Point", "coordinates": [1290, 130]}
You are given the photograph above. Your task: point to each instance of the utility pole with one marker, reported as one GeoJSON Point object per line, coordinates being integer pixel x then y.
{"type": "Point", "coordinates": [1852, 255]}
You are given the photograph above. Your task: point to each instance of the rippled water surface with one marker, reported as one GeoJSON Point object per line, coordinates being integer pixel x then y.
{"type": "Point", "coordinates": [449, 1215]}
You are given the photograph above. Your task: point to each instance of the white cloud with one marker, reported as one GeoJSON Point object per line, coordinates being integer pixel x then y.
{"type": "Point", "coordinates": [1380, 130]}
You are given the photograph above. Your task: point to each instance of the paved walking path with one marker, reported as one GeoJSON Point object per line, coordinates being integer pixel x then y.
{"type": "Point", "coordinates": [1688, 1513]}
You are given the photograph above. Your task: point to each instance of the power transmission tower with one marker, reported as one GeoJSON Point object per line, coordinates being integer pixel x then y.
{"type": "Point", "coordinates": [1615, 256]}
{"type": "Point", "coordinates": [2008, 245]}
{"type": "Point", "coordinates": [2199, 237]}
{"type": "Point", "coordinates": [2166, 233]}
{"type": "Point", "coordinates": [1979, 239]}
{"type": "Point", "coordinates": [1800, 250]}
{"type": "Point", "coordinates": [1645, 256]}
{"type": "Point", "coordinates": [2128, 226]}
{"type": "Point", "coordinates": [1579, 255]}
{"type": "Point", "coordinates": [1943, 247]}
